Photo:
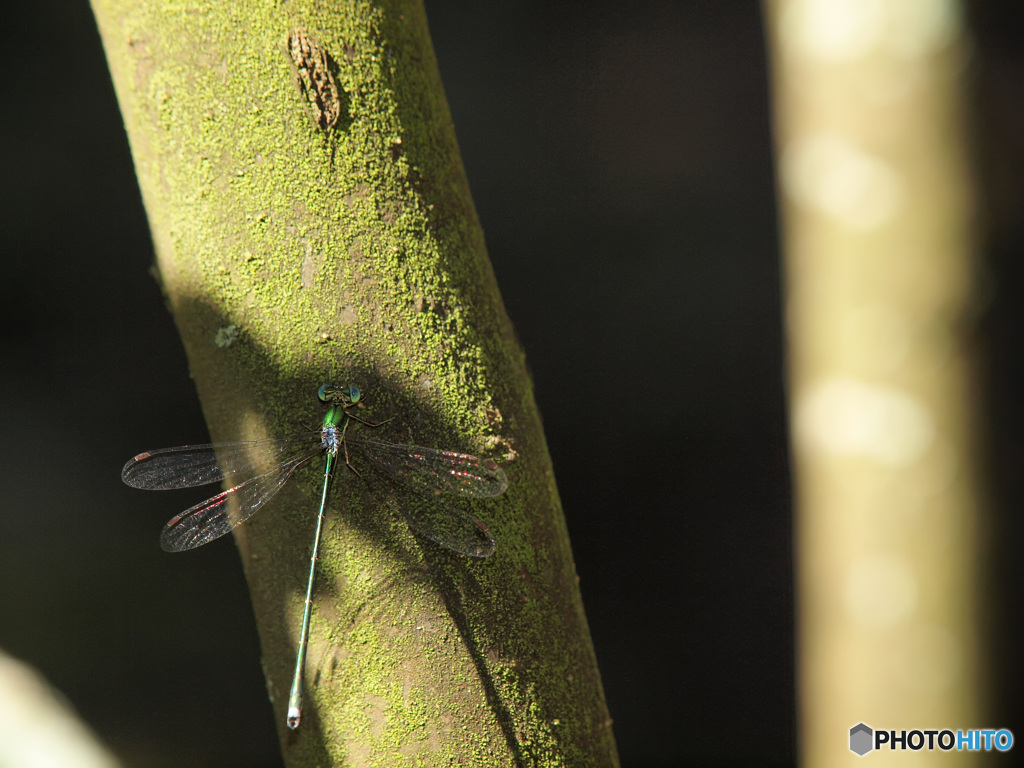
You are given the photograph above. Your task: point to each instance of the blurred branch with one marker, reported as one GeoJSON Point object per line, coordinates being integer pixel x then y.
{"type": "Point", "coordinates": [878, 214]}
{"type": "Point", "coordinates": [37, 726]}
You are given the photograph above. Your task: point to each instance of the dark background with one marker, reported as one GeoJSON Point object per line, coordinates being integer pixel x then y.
{"type": "Point", "coordinates": [620, 162]}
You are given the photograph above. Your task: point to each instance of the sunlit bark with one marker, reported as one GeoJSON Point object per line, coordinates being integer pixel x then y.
{"type": "Point", "coordinates": [345, 249]}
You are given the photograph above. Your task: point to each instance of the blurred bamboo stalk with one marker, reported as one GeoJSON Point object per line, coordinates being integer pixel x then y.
{"type": "Point", "coordinates": [877, 212]}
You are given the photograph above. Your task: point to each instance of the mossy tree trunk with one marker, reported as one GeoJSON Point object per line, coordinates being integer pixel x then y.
{"type": "Point", "coordinates": [878, 216]}
{"type": "Point", "coordinates": [295, 251]}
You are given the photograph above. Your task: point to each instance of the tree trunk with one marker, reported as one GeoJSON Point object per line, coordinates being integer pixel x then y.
{"type": "Point", "coordinates": [877, 207]}
{"type": "Point", "coordinates": [313, 224]}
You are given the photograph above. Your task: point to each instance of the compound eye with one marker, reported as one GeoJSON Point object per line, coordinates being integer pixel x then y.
{"type": "Point", "coordinates": [353, 394]}
{"type": "Point", "coordinates": [322, 393]}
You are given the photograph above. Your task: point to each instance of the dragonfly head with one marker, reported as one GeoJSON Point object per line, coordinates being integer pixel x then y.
{"type": "Point", "coordinates": [347, 394]}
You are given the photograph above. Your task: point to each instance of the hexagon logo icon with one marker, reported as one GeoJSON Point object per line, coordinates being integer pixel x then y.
{"type": "Point", "coordinates": [861, 739]}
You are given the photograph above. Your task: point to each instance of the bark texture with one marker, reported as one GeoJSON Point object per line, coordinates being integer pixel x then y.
{"type": "Point", "coordinates": [877, 211]}
{"type": "Point", "coordinates": [313, 224]}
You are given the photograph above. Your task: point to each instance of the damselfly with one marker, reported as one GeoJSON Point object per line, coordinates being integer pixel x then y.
{"type": "Point", "coordinates": [429, 471]}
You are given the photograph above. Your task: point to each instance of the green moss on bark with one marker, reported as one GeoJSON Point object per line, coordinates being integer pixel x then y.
{"type": "Point", "coordinates": [290, 257]}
